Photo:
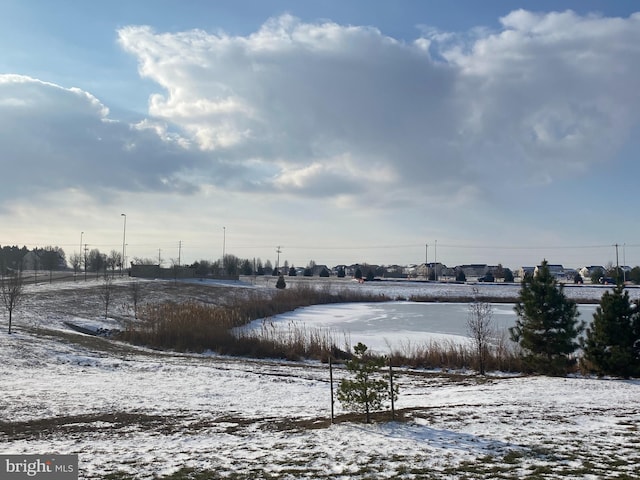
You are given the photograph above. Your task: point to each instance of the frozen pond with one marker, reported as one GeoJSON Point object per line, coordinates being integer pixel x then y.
{"type": "Point", "coordinates": [379, 325]}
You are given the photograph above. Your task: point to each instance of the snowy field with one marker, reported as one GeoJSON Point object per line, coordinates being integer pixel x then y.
{"type": "Point", "coordinates": [136, 413]}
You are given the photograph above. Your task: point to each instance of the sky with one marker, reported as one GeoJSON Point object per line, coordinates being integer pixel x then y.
{"type": "Point", "coordinates": [388, 132]}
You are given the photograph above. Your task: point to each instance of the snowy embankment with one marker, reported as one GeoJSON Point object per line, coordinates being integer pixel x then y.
{"type": "Point", "coordinates": [149, 414]}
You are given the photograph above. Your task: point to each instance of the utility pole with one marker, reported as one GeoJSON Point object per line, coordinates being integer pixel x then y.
{"type": "Point", "coordinates": [80, 252]}
{"type": "Point", "coordinates": [224, 245]}
{"type": "Point", "coordinates": [617, 265]}
{"type": "Point", "coordinates": [159, 259]}
{"type": "Point", "coordinates": [278, 251]}
{"type": "Point", "coordinates": [124, 239]}
{"type": "Point", "coordinates": [426, 261]}
{"type": "Point", "coordinates": [179, 251]}
{"type": "Point", "coordinates": [331, 385]}
{"type": "Point", "coordinates": [624, 263]}
{"type": "Point", "coordinates": [435, 259]}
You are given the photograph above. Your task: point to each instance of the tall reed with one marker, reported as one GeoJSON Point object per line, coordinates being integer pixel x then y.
{"type": "Point", "coordinates": [198, 327]}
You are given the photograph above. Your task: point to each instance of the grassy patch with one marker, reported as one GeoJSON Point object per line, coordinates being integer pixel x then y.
{"type": "Point", "coordinates": [74, 424]}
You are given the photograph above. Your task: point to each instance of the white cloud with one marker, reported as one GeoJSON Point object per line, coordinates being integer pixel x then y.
{"type": "Point", "coordinates": [58, 138]}
{"type": "Point", "coordinates": [547, 96]}
{"type": "Point", "coordinates": [323, 110]}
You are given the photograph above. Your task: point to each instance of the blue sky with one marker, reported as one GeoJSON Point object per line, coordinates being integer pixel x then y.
{"type": "Point", "coordinates": [504, 132]}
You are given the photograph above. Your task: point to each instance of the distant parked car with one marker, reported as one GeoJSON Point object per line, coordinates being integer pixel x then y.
{"type": "Point", "coordinates": [487, 278]}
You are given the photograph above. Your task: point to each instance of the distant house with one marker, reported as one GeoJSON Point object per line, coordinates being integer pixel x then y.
{"type": "Point", "coordinates": [556, 270]}
{"type": "Point", "coordinates": [586, 272]}
{"type": "Point", "coordinates": [524, 271]}
{"type": "Point", "coordinates": [411, 270]}
{"type": "Point", "coordinates": [474, 270]}
{"type": "Point", "coordinates": [395, 271]}
{"type": "Point", "coordinates": [318, 269]}
{"type": "Point", "coordinates": [570, 273]}
{"type": "Point", "coordinates": [432, 268]}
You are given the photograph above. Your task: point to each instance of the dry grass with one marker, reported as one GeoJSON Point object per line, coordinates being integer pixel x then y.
{"type": "Point", "coordinates": [502, 356]}
{"type": "Point", "coordinates": [198, 327]}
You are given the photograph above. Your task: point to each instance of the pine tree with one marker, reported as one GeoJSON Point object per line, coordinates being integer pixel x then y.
{"type": "Point", "coordinates": [368, 390]}
{"type": "Point", "coordinates": [547, 327]}
{"type": "Point", "coordinates": [613, 337]}
{"type": "Point", "coordinates": [281, 284]}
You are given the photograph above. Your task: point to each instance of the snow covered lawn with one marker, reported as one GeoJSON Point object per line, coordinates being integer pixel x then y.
{"type": "Point", "coordinates": [136, 413]}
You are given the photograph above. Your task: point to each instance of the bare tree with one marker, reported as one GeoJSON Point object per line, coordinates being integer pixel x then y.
{"type": "Point", "coordinates": [175, 269]}
{"type": "Point", "coordinates": [144, 261]}
{"type": "Point", "coordinates": [97, 262]}
{"type": "Point", "coordinates": [114, 260]}
{"type": "Point", "coordinates": [134, 289]}
{"type": "Point", "coordinates": [76, 262]}
{"type": "Point", "coordinates": [480, 328]}
{"type": "Point", "coordinates": [12, 289]}
{"type": "Point", "coordinates": [106, 292]}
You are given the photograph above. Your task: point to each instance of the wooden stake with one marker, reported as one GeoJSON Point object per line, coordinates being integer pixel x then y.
{"type": "Point", "coordinates": [393, 409]}
{"type": "Point", "coordinates": [331, 385]}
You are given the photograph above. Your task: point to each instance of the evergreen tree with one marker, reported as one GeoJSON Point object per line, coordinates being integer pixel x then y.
{"type": "Point", "coordinates": [547, 327]}
{"type": "Point", "coordinates": [612, 337]}
{"type": "Point", "coordinates": [358, 274]}
{"type": "Point", "coordinates": [597, 276]}
{"type": "Point", "coordinates": [281, 284]}
{"type": "Point", "coordinates": [634, 275]}
{"type": "Point", "coordinates": [369, 389]}
{"type": "Point", "coordinates": [508, 275]}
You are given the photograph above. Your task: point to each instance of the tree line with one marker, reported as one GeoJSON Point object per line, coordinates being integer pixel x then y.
{"type": "Point", "coordinates": [52, 258]}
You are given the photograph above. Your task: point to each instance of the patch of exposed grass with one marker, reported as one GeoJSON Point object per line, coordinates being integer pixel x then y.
{"type": "Point", "coordinates": [75, 424]}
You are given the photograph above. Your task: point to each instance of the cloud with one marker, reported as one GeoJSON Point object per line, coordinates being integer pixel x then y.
{"type": "Point", "coordinates": [322, 110]}
{"type": "Point", "coordinates": [59, 138]}
{"type": "Point", "coordinates": [546, 97]}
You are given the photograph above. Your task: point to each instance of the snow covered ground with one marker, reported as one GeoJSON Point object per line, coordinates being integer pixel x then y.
{"type": "Point", "coordinates": [135, 413]}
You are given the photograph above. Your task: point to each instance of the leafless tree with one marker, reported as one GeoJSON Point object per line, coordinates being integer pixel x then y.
{"type": "Point", "coordinates": [114, 260]}
{"type": "Point", "coordinates": [76, 262]}
{"type": "Point", "coordinates": [12, 290]}
{"type": "Point", "coordinates": [480, 328]}
{"type": "Point", "coordinates": [134, 289]}
{"type": "Point", "coordinates": [175, 269]}
{"type": "Point", "coordinates": [106, 292]}
{"type": "Point", "coordinates": [144, 261]}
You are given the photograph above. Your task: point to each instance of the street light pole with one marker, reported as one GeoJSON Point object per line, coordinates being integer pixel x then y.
{"type": "Point", "coordinates": [124, 238]}
{"type": "Point", "coordinates": [624, 263]}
